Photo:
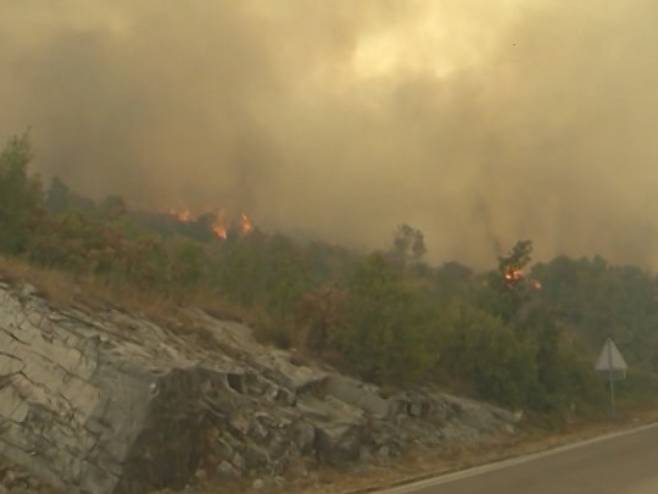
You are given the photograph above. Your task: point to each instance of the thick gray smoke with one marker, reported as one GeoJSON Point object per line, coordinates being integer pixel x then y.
{"type": "Point", "coordinates": [479, 122]}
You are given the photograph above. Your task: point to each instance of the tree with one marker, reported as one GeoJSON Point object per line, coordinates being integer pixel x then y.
{"type": "Point", "coordinates": [408, 244]}
{"type": "Point", "coordinates": [518, 258]}
{"type": "Point", "coordinates": [482, 351]}
{"type": "Point", "coordinates": [386, 323]}
{"type": "Point", "coordinates": [20, 196]}
{"type": "Point", "coordinates": [506, 292]}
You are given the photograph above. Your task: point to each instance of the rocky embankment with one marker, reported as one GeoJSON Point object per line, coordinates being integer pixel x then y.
{"type": "Point", "coordinates": [104, 401]}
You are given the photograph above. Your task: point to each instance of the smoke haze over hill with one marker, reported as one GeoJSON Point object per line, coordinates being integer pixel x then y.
{"type": "Point", "coordinates": [479, 122]}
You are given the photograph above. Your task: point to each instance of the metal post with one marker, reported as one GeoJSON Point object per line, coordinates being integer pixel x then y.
{"type": "Point", "coordinates": [611, 381]}
{"type": "Point", "coordinates": [612, 396]}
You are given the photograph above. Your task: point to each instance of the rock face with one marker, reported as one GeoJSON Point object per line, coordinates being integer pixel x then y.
{"type": "Point", "coordinates": [106, 402]}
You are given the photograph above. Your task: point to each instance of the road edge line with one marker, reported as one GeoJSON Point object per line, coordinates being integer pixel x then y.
{"type": "Point", "coordinates": [428, 480]}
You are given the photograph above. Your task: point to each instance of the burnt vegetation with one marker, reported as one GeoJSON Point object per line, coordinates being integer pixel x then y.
{"type": "Point", "coordinates": [521, 335]}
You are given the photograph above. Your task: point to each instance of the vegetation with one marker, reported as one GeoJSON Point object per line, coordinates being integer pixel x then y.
{"type": "Point", "coordinates": [518, 335]}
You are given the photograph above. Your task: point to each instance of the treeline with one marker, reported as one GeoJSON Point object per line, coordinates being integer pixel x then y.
{"type": "Point", "coordinates": [521, 335]}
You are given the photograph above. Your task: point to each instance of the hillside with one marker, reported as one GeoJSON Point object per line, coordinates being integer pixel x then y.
{"type": "Point", "coordinates": [521, 334]}
{"type": "Point", "coordinates": [287, 328]}
{"type": "Point", "coordinates": [107, 401]}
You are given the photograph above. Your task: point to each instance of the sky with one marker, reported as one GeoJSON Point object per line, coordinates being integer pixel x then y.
{"type": "Point", "coordinates": [479, 122]}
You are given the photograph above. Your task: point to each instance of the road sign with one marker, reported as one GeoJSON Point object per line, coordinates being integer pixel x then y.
{"type": "Point", "coordinates": [611, 358]}
{"type": "Point", "coordinates": [611, 361]}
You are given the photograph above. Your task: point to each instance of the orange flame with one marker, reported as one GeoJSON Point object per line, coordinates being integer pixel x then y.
{"type": "Point", "coordinates": [514, 275]}
{"type": "Point", "coordinates": [246, 225]}
{"type": "Point", "coordinates": [184, 215]}
{"type": "Point", "coordinates": [220, 231]}
{"type": "Point", "coordinates": [219, 227]}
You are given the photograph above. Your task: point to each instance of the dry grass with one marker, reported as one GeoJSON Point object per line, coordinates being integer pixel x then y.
{"type": "Point", "coordinates": [57, 287]}
{"type": "Point", "coordinates": [63, 289]}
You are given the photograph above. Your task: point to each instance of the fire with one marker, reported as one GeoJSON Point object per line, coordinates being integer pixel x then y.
{"type": "Point", "coordinates": [220, 231]}
{"type": "Point", "coordinates": [184, 215]}
{"type": "Point", "coordinates": [514, 275]}
{"type": "Point", "coordinates": [220, 227]}
{"type": "Point", "coordinates": [246, 225]}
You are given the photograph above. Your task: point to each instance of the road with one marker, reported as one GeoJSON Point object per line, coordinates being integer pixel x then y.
{"type": "Point", "coordinates": [621, 463]}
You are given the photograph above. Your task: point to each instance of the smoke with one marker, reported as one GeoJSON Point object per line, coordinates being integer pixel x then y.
{"type": "Point", "coordinates": [478, 122]}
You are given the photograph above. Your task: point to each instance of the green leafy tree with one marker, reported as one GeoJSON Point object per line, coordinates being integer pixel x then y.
{"type": "Point", "coordinates": [20, 196]}
{"type": "Point", "coordinates": [481, 350]}
{"type": "Point", "coordinates": [385, 324]}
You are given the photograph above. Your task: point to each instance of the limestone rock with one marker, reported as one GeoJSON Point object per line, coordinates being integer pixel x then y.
{"type": "Point", "coordinates": [108, 402]}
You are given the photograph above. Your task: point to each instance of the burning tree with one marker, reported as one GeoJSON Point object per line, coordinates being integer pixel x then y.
{"type": "Point", "coordinates": [511, 266]}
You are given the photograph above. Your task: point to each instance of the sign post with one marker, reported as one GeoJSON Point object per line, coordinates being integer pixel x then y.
{"type": "Point", "coordinates": [611, 361]}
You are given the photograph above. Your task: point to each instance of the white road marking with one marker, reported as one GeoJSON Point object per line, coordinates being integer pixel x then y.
{"type": "Point", "coordinates": [499, 465]}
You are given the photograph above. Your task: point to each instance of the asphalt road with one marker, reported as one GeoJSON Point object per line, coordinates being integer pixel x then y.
{"type": "Point", "coordinates": [622, 463]}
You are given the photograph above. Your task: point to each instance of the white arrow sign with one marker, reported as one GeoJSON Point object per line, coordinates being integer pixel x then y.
{"type": "Point", "coordinates": [611, 358]}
